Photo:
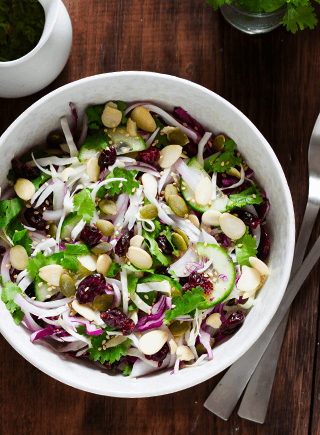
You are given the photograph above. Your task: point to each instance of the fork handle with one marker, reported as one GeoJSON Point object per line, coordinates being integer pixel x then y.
{"type": "Point", "coordinates": [256, 398]}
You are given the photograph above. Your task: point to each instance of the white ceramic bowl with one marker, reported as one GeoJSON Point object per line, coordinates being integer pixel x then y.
{"type": "Point", "coordinates": [38, 68]}
{"type": "Point", "coordinates": [216, 115]}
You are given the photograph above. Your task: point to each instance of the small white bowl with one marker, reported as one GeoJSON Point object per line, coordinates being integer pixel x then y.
{"type": "Point", "coordinates": [217, 115]}
{"type": "Point", "coordinates": [38, 68]}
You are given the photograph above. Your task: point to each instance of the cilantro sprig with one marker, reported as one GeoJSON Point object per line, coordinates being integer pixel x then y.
{"type": "Point", "coordinates": [299, 14]}
{"type": "Point", "coordinates": [84, 205]}
{"type": "Point", "coordinates": [245, 248]}
{"type": "Point", "coordinates": [248, 196]}
{"type": "Point", "coordinates": [9, 291]}
{"type": "Point", "coordinates": [224, 161]}
{"type": "Point", "coordinates": [127, 186]}
{"type": "Point", "coordinates": [185, 304]}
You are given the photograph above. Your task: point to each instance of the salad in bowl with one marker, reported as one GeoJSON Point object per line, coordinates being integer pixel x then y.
{"type": "Point", "coordinates": [136, 243]}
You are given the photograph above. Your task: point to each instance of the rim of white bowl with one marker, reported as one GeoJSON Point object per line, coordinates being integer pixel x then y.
{"type": "Point", "coordinates": [188, 381]}
{"type": "Point", "coordinates": [44, 37]}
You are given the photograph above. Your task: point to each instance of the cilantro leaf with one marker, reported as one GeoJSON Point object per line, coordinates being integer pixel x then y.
{"type": "Point", "coordinates": [122, 107]}
{"type": "Point", "coordinates": [127, 370]}
{"type": "Point", "coordinates": [40, 180]}
{"type": "Point", "coordinates": [114, 269]}
{"type": "Point", "coordinates": [9, 291]}
{"type": "Point", "coordinates": [94, 116]}
{"type": "Point", "coordinates": [224, 161]}
{"type": "Point", "coordinates": [185, 304]}
{"type": "Point", "coordinates": [96, 140]}
{"type": "Point", "coordinates": [19, 235]}
{"type": "Point", "coordinates": [132, 283]}
{"type": "Point", "coordinates": [245, 248]}
{"type": "Point", "coordinates": [76, 249]}
{"type": "Point", "coordinates": [161, 139]}
{"type": "Point", "coordinates": [1, 280]}
{"type": "Point", "coordinates": [9, 209]}
{"type": "Point", "coordinates": [126, 186]}
{"type": "Point", "coordinates": [248, 196]}
{"type": "Point", "coordinates": [84, 205]}
{"type": "Point", "coordinates": [301, 16]}
{"type": "Point", "coordinates": [35, 263]}
{"type": "Point", "coordinates": [133, 268]}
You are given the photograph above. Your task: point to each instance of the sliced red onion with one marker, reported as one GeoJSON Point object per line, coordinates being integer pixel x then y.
{"type": "Point", "coordinates": [48, 243]}
{"type": "Point", "coordinates": [72, 347]}
{"type": "Point", "coordinates": [21, 275]}
{"type": "Point", "coordinates": [77, 229]}
{"type": "Point", "coordinates": [69, 138]}
{"type": "Point", "coordinates": [214, 186]}
{"type": "Point", "coordinates": [84, 131]}
{"type": "Point", "coordinates": [138, 354]}
{"type": "Point", "coordinates": [147, 224]}
{"type": "Point", "coordinates": [140, 303]}
{"type": "Point", "coordinates": [206, 266]}
{"type": "Point", "coordinates": [25, 282]}
{"type": "Point", "coordinates": [30, 323]}
{"type": "Point", "coordinates": [131, 214]}
{"type": "Point", "coordinates": [46, 332]}
{"type": "Point", "coordinates": [143, 169]}
{"type": "Point", "coordinates": [53, 215]}
{"type": "Point", "coordinates": [238, 183]}
{"type": "Point", "coordinates": [161, 214]}
{"type": "Point", "coordinates": [90, 328]}
{"type": "Point", "coordinates": [44, 195]}
{"type": "Point", "coordinates": [133, 106]}
{"type": "Point", "coordinates": [40, 312]}
{"type": "Point", "coordinates": [103, 183]}
{"type": "Point", "coordinates": [59, 192]}
{"type": "Point", "coordinates": [201, 146]}
{"type": "Point", "coordinates": [58, 161]}
{"type": "Point", "coordinates": [124, 283]}
{"type": "Point", "coordinates": [79, 174]}
{"type": "Point", "coordinates": [191, 176]}
{"type": "Point", "coordinates": [134, 339]}
{"type": "Point", "coordinates": [176, 367]}
{"type": "Point", "coordinates": [5, 270]}
{"type": "Point", "coordinates": [205, 340]}
{"type": "Point", "coordinates": [45, 171]}
{"type": "Point", "coordinates": [29, 228]}
{"type": "Point", "coordinates": [151, 138]}
{"type": "Point", "coordinates": [49, 304]}
{"type": "Point", "coordinates": [164, 179]}
{"type": "Point", "coordinates": [171, 121]}
{"type": "Point", "coordinates": [40, 190]}
{"type": "Point", "coordinates": [122, 206]}
{"type": "Point", "coordinates": [179, 267]}
{"type": "Point", "coordinates": [74, 334]}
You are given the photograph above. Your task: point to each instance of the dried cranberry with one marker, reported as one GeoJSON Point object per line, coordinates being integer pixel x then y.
{"type": "Point", "coordinates": [150, 156]}
{"type": "Point", "coordinates": [90, 287]}
{"type": "Point", "coordinates": [110, 366]}
{"type": "Point", "coordinates": [232, 324]}
{"type": "Point", "coordinates": [198, 279]}
{"type": "Point", "coordinates": [162, 270]}
{"type": "Point", "coordinates": [2, 250]}
{"type": "Point", "coordinates": [13, 274]}
{"type": "Point", "coordinates": [116, 319]}
{"type": "Point", "coordinates": [264, 245]}
{"type": "Point", "coordinates": [160, 356]}
{"type": "Point", "coordinates": [164, 245]}
{"type": "Point", "coordinates": [21, 170]}
{"type": "Point", "coordinates": [248, 218]}
{"type": "Point", "coordinates": [91, 235]}
{"type": "Point", "coordinates": [107, 157]}
{"type": "Point", "coordinates": [35, 219]}
{"type": "Point", "coordinates": [123, 244]}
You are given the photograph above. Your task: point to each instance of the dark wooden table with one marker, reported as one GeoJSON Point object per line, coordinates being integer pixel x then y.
{"type": "Point", "coordinates": [274, 79]}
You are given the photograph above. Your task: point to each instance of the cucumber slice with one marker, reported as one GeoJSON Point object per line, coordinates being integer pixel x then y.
{"type": "Point", "coordinates": [223, 264]}
{"type": "Point", "coordinates": [218, 204]}
{"type": "Point", "coordinates": [68, 224]}
{"type": "Point", "coordinates": [158, 278]}
{"type": "Point", "coordinates": [41, 290]}
{"type": "Point", "coordinates": [123, 144]}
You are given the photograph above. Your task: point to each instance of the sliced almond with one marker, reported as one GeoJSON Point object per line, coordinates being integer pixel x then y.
{"type": "Point", "coordinates": [118, 339]}
{"type": "Point", "coordinates": [150, 182]}
{"type": "Point", "coordinates": [173, 346]}
{"type": "Point", "coordinates": [167, 129]}
{"type": "Point", "coordinates": [51, 274]}
{"type": "Point", "coordinates": [261, 267]}
{"type": "Point", "coordinates": [250, 280]}
{"type": "Point", "coordinates": [89, 262]}
{"type": "Point", "coordinates": [65, 174]}
{"type": "Point", "coordinates": [132, 128]}
{"type": "Point", "coordinates": [19, 257]}
{"type": "Point", "coordinates": [24, 189]}
{"type": "Point", "coordinates": [93, 169]}
{"type": "Point", "coordinates": [232, 226]}
{"type": "Point", "coordinates": [194, 220]}
{"type": "Point", "coordinates": [143, 118]}
{"type": "Point", "coordinates": [111, 117]}
{"type": "Point", "coordinates": [139, 258]}
{"type": "Point", "coordinates": [234, 173]}
{"type": "Point", "coordinates": [103, 264]}
{"type": "Point", "coordinates": [169, 155]}
{"type": "Point", "coordinates": [203, 192]}
{"type": "Point", "coordinates": [112, 104]}
{"type": "Point", "coordinates": [184, 353]}
{"type": "Point", "coordinates": [136, 241]}
{"type": "Point", "coordinates": [152, 341]}
{"type": "Point", "coordinates": [214, 320]}
{"type": "Point", "coordinates": [211, 217]}
{"type": "Point", "coordinates": [84, 311]}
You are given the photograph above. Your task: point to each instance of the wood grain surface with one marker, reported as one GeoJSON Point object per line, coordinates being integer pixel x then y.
{"type": "Point", "coordinates": [274, 79]}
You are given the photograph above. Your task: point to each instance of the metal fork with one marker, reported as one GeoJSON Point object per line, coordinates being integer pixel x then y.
{"type": "Point", "coordinates": [260, 356]}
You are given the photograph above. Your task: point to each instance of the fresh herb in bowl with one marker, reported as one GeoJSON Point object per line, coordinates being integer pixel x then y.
{"type": "Point", "coordinates": [299, 14]}
{"type": "Point", "coordinates": [21, 27]}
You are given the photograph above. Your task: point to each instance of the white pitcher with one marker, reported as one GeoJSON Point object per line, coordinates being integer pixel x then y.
{"type": "Point", "coordinates": [43, 64]}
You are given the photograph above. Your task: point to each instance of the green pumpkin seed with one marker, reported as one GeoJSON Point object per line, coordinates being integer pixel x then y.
{"type": "Point", "coordinates": [201, 350]}
{"type": "Point", "coordinates": [108, 207]}
{"type": "Point", "coordinates": [177, 137]}
{"type": "Point", "coordinates": [178, 205]}
{"type": "Point", "coordinates": [67, 285]}
{"type": "Point", "coordinates": [179, 242]}
{"type": "Point", "coordinates": [105, 227]}
{"type": "Point", "coordinates": [170, 190]}
{"type": "Point", "coordinates": [101, 248]}
{"type": "Point", "coordinates": [103, 302]}
{"type": "Point", "coordinates": [53, 230]}
{"type": "Point", "coordinates": [149, 211]}
{"type": "Point", "coordinates": [178, 328]}
{"type": "Point", "coordinates": [185, 237]}
{"type": "Point", "coordinates": [218, 142]}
